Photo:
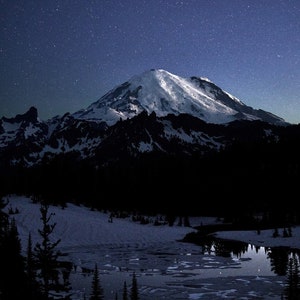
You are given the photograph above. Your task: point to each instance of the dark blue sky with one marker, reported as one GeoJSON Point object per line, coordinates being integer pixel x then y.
{"type": "Point", "coordinates": [62, 55]}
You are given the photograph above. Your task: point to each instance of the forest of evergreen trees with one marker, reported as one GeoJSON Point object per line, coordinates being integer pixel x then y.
{"type": "Point", "coordinates": [41, 274]}
{"type": "Point", "coordinates": [244, 178]}
{"type": "Point", "coordinates": [249, 177]}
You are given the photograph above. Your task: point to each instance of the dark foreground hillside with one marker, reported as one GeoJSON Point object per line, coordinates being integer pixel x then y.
{"type": "Point", "coordinates": [247, 176]}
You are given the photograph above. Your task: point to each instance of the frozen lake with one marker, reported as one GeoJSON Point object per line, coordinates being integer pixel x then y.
{"type": "Point", "coordinates": [177, 270]}
{"type": "Point", "coordinates": [165, 268]}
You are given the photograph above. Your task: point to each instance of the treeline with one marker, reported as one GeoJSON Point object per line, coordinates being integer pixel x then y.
{"type": "Point", "coordinates": [38, 276]}
{"type": "Point", "coordinates": [42, 274]}
{"type": "Point", "coordinates": [246, 177]}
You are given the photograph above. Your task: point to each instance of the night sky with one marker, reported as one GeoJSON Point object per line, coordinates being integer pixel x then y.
{"type": "Point", "coordinates": [62, 55]}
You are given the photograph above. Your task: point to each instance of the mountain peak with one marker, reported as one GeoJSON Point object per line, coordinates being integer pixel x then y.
{"type": "Point", "coordinates": [164, 93]}
{"type": "Point", "coordinates": [30, 116]}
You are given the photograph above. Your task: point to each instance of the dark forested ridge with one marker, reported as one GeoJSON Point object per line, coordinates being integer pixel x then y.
{"type": "Point", "coordinates": [236, 171]}
{"type": "Point", "coordinates": [256, 168]}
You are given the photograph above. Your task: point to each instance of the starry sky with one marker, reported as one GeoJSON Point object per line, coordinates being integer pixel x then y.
{"type": "Point", "coordinates": [61, 55]}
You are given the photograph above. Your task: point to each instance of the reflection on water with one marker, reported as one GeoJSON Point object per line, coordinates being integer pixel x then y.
{"type": "Point", "coordinates": [242, 259]}
{"type": "Point", "coordinates": [166, 269]}
{"type": "Point", "coordinates": [277, 258]}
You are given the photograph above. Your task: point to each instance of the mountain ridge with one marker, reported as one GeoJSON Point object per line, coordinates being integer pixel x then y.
{"type": "Point", "coordinates": [153, 112]}
{"type": "Point", "coordinates": [162, 92]}
{"type": "Point", "coordinates": [148, 159]}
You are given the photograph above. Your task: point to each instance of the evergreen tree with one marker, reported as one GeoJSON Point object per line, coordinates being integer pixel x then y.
{"type": "Point", "coordinates": [134, 295]}
{"type": "Point", "coordinates": [30, 269]}
{"type": "Point", "coordinates": [3, 221]}
{"type": "Point", "coordinates": [13, 276]}
{"type": "Point", "coordinates": [3, 247]}
{"type": "Point", "coordinates": [14, 283]}
{"type": "Point", "coordinates": [285, 232]}
{"type": "Point", "coordinates": [187, 221]}
{"type": "Point", "coordinates": [97, 291]}
{"type": "Point", "coordinates": [292, 291]}
{"type": "Point", "coordinates": [47, 256]}
{"type": "Point", "coordinates": [275, 233]}
{"type": "Point", "coordinates": [297, 275]}
{"type": "Point", "coordinates": [30, 263]}
{"type": "Point", "coordinates": [180, 221]}
{"type": "Point", "coordinates": [17, 263]}
{"type": "Point", "coordinates": [125, 294]}
{"type": "Point", "coordinates": [11, 264]}
{"type": "Point", "coordinates": [289, 231]}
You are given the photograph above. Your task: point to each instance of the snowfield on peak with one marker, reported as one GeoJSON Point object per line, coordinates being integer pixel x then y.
{"type": "Point", "coordinates": [164, 93]}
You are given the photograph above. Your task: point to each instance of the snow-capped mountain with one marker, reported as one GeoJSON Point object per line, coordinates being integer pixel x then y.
{"type": "Point", "coordinates": [24, 136]}
{"type": "Point", "coordinates": [164, 93]}
{"type": "Point", "coordinates": [156, 112]}
{"type": "Point", "coordinates": [157, 134]}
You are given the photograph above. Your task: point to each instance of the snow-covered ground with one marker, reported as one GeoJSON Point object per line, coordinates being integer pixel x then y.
{"type": "Point", "coordinates": [165, 267]}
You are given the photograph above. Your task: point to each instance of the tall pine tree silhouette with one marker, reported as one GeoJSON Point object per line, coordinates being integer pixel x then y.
{"type": "Point", "coordinates": [30, 269]}
{"type": "Point", "coordinates": [13, 282]}
{"type": "Point", "coordinates": [134, 294]}
{"type": "Point", "coordinates": [97, 291]}
{"type": "Point", "coordinates": [292, 290]}
{"type": "Point", "coordinates": [47, 256]}
{"type": "Point", "coordinates": [4, 268]}
{"type": "Point", "coordinates": [13, 277]}
{"type": "Point", "coordinates": [125, 292]}
{"type": "Point", "coordinates": [30, 262]}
